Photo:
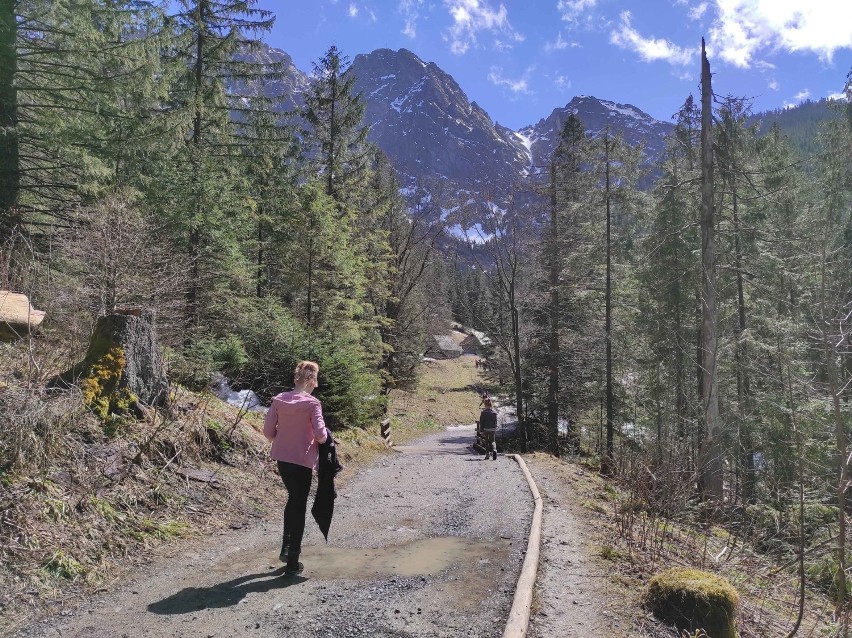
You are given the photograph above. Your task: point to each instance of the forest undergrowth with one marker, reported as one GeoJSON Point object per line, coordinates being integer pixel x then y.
{"type": "Point", "coordinates": [750, 549]}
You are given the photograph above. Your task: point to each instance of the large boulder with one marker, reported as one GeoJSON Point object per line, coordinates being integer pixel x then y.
{"type": "Point", "coordinates": [17, 316]}
{"type": "Point", "coordinates": [123, 369]}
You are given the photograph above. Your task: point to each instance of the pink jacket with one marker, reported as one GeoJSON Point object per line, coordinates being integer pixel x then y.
{"type": "Point", "coordinates": [294, 422]}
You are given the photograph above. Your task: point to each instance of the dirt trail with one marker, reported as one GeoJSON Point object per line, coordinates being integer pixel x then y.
{"type": "Point", "coordinates": [426, 542]}
{"type": "Point", "coordinates": [576, 596]}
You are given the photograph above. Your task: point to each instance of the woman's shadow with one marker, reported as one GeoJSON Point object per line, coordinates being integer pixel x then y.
{"type": "Point", "coordinates": [224, 594]}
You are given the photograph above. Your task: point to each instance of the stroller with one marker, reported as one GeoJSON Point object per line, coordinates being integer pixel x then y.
{"type": "Point", "coordinates": [487, 431]}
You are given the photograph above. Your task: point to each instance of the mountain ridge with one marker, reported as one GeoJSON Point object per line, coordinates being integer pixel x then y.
{"type": "Point", "coordinates": [422, 119]}
{"type": "Point", "coordinates": [438, 139]}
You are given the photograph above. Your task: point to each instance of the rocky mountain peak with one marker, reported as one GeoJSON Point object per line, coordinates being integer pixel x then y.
{"type": "Point", "coordinates": [434, 134]}
{"type": "Point", "coordinates": [422, 119]}
{"type": "Point", "coordinates": [597, 115]}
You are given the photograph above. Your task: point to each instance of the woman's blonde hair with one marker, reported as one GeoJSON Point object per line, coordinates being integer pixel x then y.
{"type": "Point", "coordinates": [306, 371]}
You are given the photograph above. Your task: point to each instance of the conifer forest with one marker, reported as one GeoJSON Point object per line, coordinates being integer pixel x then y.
{"type": "Point", "coordinates": [684, 326]}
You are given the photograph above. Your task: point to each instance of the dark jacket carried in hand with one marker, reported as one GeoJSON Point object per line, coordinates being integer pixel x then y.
{"type": "Point", "coordinates": [323, 508]}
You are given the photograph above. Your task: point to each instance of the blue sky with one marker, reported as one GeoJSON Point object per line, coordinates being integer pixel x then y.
{"type": "Point", "coordinates": [520, 59]}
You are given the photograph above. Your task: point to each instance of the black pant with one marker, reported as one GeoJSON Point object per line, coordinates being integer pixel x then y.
{"type": "Point", "coordinates": [297, 481]}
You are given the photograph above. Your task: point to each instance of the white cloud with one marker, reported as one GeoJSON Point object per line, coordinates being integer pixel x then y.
{"type": "Point", "coordinates": [410, 10]}
{"type": "Point", "coordinates": [559, 44]}
{"type": "Point", "coordinates": [353, 10]}
{"type": "Point", "coordinates": [562, 82]}
{"type": "Point", "coordinates": [516, 86]}
{"type": "Point", "coordinates": [472, 16]}
{"type": "Point", "coordinates": [571, 10]}
{"type": "Point", "coordinates": [773, 84]}
{"type": "Point", "coordinates": [697, 12]}
{"type": "Point", "coordinates": [837, 96]}
{"type": "Point", "coordinates": [649, 49]}
{"type": "Point", "coordinates": [744, 29]}
{"type": "Point", "coordinates": [804, 94]}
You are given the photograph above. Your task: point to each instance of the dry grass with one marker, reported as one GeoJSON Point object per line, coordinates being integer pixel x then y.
{"type": "Point", "coordinates": [447, 394]}
{"type": "Point", "coordinates": [636, 546]}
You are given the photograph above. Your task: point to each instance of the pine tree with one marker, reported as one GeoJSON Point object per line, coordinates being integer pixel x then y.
{"type": "Point", "coordinates": [65, 71]}
{"type": "Point", "coordinates": [336, 139]}
{"type": "Point", "coordinates": [212, 46]}
{"type": "Point", "coordinates": [669, 277]}
{"type": "Point", "coordinates": [401, 303]}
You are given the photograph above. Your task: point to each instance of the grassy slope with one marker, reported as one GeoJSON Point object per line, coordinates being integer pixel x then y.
{"type": "Point", "coordinates": [447, 394]}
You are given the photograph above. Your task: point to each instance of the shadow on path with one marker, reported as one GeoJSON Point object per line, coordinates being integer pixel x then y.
{"type": "Point", "coordinates": [224, 594]}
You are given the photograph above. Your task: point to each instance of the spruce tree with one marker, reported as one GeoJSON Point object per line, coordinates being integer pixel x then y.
{"type": "Point", "coordinates": [213, 45]}
{"type": "Point", "coordinates": [336, 138]}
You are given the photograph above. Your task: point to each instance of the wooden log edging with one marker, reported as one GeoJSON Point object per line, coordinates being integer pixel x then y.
{"type": "Point", "coordinates": [519, 615]}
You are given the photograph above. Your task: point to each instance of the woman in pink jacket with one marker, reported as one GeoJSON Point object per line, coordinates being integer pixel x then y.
{"type": "Point", "coordinates": [294, 425]}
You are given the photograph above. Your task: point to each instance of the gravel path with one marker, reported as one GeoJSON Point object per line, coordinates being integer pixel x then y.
{"type": "Point", "coordinates": [575, 593]}
{"type": "Point", "coordinates": [426, 542]}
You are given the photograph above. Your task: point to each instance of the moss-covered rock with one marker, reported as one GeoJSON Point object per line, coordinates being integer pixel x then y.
{"type": "Point", "coordinates": [693, 599]}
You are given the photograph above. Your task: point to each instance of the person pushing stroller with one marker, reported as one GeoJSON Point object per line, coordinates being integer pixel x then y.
{"type": "Point", "coordinates": [488, 427]}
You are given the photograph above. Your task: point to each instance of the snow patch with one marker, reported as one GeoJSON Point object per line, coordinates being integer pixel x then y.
{"type": "Point", "coordinates": [527, 141]}
{"type": "Point", "coordinates": [474, 234]}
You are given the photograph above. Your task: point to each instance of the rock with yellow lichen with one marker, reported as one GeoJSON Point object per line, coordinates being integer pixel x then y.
{"type": "Point", "coordinates": [123, 369]}
{"type": "Point", "coordinates": [692, 599]}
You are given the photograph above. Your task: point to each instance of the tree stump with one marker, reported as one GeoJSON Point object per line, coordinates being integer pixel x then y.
{"type": "Point", "coordinates": [123, 368]}
{"type": "Point", "coordinates": [17, 316]}
{"type": "Point", "coordinates": [693, 599]}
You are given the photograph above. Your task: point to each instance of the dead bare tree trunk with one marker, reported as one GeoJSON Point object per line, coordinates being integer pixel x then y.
{"type": "Point", "coordinates": [710, 469]}
{"type": "Point", "coordinates": [609, 457]}
{"type": "Point", "coordinates": [553, 364]}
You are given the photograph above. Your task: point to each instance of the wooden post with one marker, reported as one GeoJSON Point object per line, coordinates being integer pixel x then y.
{"type": "Point", "coordinates": [386, 432]}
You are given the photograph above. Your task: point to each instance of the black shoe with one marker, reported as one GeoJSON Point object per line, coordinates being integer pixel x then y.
{"type": "Point", "coordinates": [292, 570]}
{"type": "Point", "coordinates": [285, 548]}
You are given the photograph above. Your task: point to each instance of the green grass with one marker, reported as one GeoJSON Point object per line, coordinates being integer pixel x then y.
{"type": "Point", "coordinates": [60, 565]}
{"type": "Point", "coordinates": [149, 528]}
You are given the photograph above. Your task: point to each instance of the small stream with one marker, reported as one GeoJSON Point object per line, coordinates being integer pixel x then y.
{"type": "Point", "coordinates": [245, 399]}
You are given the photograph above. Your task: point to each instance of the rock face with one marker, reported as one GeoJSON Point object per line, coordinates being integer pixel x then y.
{"type": "Point", "coordinates": [423, 121]}
{"type": "Point", "coordinates": [17, 316]}
{"type": "Point", "coordinates": [123, 368]}
{"type": "Point", "coordinates": [635, 125]}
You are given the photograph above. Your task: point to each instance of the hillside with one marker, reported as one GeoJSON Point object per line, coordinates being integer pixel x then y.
{"type": "Point", "coordinates": [799, 124]}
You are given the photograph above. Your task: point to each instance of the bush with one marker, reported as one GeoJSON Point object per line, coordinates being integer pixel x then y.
{"type": "Point", "coordinates": [195, 366]}
{"type": "Point", "coordinates": [692, 599]}
{"type": "Point", "coordinates": [764, 524]}
{"type": "Point", "coordinates": [823, 575]}
{"type": "Point", "coordinates": [275, 341]}
{"type": "Point", "coordinates": [818, 520]}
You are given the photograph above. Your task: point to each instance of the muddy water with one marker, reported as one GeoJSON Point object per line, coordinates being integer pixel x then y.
{"type": "Point", "coordinates": [423, 557]}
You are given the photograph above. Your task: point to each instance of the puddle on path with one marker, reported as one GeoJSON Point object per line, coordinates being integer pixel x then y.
{"type": "Point", "coordinates": [419, 558]}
